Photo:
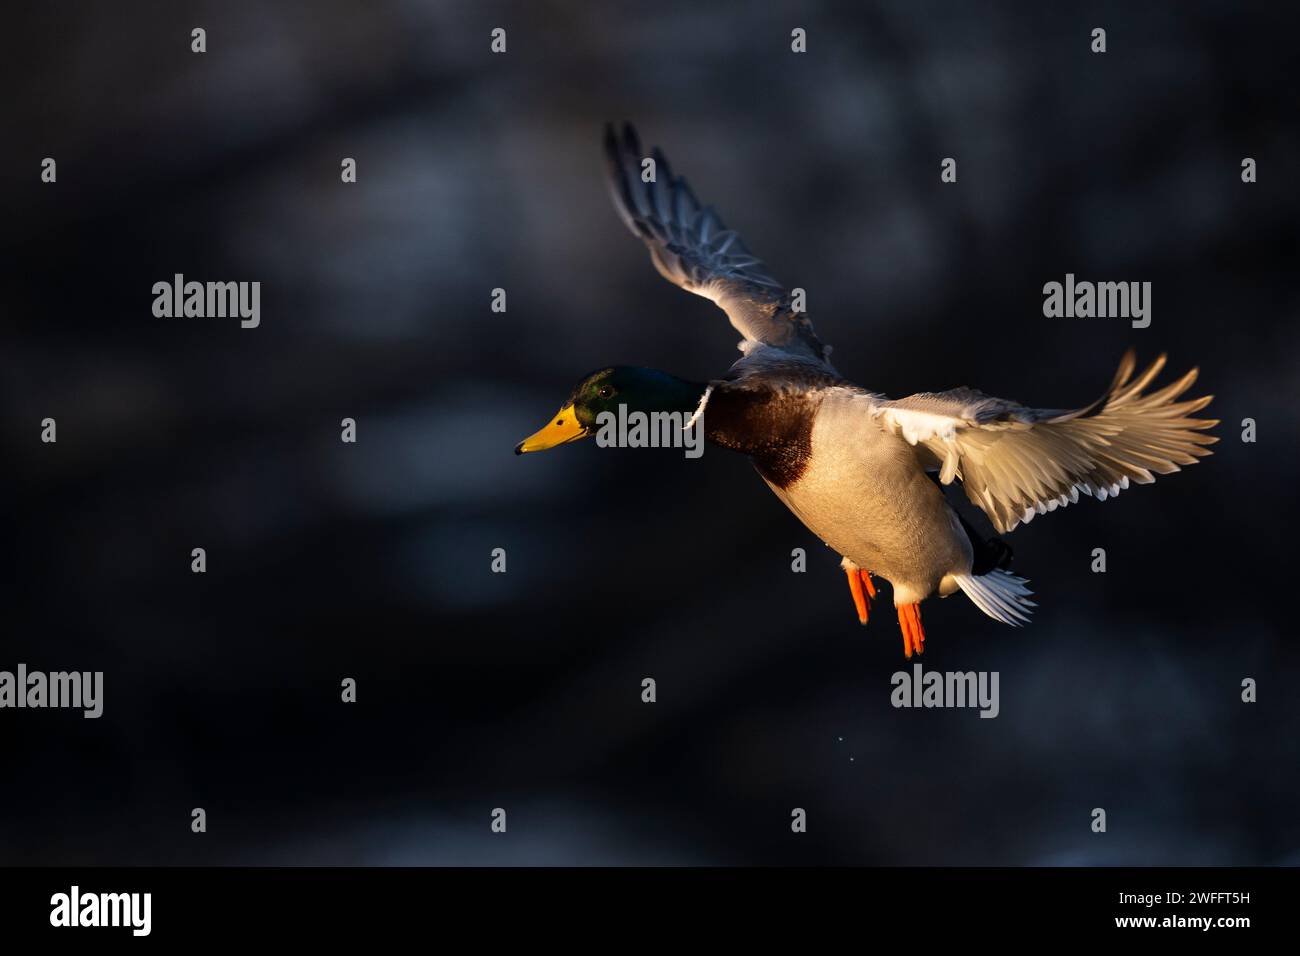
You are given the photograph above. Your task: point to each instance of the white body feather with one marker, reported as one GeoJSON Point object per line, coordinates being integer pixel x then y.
{"type": "Point", "coordinates": [864, 494]}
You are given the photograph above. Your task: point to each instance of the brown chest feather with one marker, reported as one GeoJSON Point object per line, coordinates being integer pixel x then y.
{"type": "Point", "coordinates": [774, 428]}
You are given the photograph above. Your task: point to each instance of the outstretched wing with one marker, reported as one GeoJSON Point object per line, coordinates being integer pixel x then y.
{"type": "Point", "coordinates": [1015, 462]}
{"type": "Point", "coordinates": [691, 248]}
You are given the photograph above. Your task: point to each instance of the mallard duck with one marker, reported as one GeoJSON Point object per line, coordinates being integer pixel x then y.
{"type": "Point", "coordinates": [865, 473]}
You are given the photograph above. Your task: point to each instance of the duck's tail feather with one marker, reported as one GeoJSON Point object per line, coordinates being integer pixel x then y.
{"type": "Point", "coordinates": [1000, 594]}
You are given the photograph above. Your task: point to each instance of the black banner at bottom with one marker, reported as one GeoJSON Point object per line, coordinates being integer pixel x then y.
{"type": "Point", "coordinates": [92, 905]}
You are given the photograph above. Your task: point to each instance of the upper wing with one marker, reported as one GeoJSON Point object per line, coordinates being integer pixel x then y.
{"type": "Point", "coordinates": [1015, 462]}
{"type": "Point", "coordinates": [691, 248]}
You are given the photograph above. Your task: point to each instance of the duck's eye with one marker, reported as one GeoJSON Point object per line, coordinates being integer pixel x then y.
{"type": "Point", "coordinates": [606, 392]}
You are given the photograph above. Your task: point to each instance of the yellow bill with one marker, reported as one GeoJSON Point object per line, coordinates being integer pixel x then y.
{"type": "Point", "coordinates": [563, 428]}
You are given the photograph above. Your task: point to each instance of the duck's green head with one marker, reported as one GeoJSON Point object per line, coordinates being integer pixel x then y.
{"type": "Point", "coordinates": [640, 389]}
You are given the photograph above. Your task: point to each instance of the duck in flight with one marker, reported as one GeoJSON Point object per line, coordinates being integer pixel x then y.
{"type": "Point", "coordinates": [865, 473]}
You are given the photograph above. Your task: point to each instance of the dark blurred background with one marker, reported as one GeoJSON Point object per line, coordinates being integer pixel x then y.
{"type": "Point", "coordinates": [522, 690]}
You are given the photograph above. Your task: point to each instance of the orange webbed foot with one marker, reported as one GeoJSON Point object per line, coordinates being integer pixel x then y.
{"type": "Point", "coordinates": [860, 599]}
{"type": "Point", "coordinates": [866, 583]}
{"type": "Point", "coordinates": [909, 622]}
